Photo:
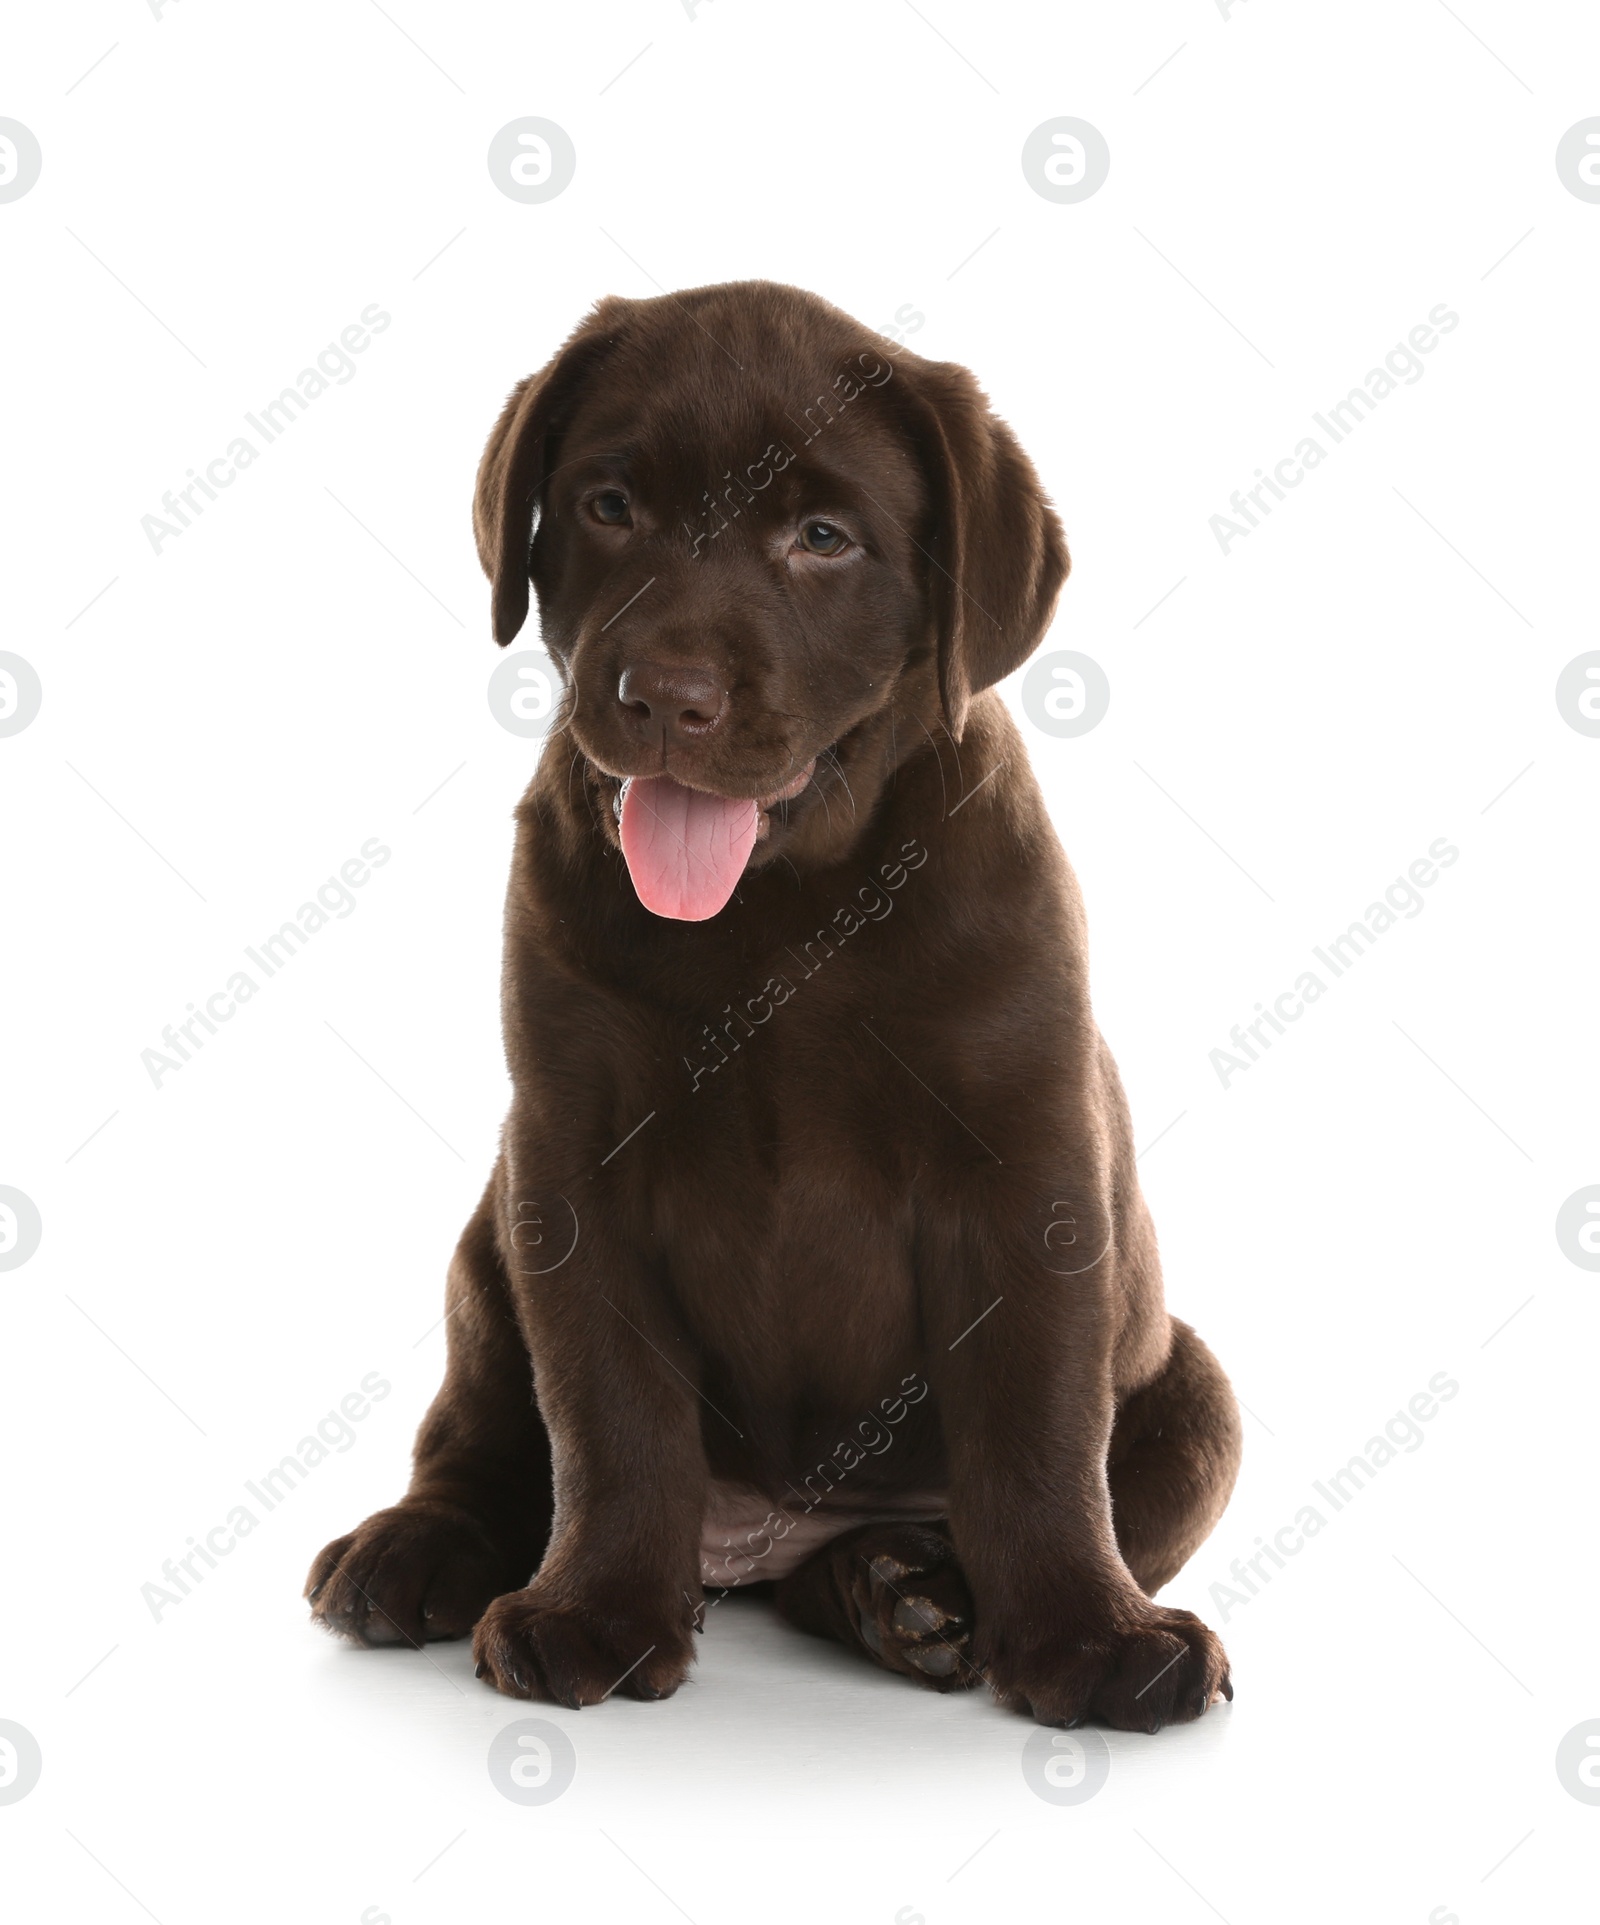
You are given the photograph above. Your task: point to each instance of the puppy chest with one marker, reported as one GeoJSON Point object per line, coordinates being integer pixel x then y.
{"type": "Point", "coordinates": [802, 1276]}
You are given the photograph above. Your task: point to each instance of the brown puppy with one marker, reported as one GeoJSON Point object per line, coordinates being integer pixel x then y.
{"type": "Point", "coordinates": [815, 1250]}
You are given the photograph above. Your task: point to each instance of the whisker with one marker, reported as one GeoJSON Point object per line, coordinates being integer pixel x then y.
{"type": "Point", "coordinates": [944, 796]}
{"type": "Point", "coordinates": [833, 758]}
{"type": "Point", "coordinates": [956, 746]}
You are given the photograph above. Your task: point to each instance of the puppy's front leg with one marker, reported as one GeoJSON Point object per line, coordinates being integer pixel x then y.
{"type": "Point", "coordinates": [1024, 1324]}
{"type": "Point", "coordinates": [612, 1605]}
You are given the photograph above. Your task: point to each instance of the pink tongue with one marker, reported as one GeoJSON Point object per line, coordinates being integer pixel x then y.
{"type": "Point", "coordinates": [685, 850]}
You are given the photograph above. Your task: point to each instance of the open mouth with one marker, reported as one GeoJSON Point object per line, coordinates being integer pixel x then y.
{"type": "Point", "coordinates": [686, 848]}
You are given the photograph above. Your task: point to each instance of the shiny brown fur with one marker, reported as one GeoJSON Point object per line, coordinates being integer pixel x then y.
{"type": "Point", "coordinates": [852, 1148]}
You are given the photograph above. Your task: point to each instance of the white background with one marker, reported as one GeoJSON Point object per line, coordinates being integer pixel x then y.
{"type": "Point", "coordinates": [228, 1255]}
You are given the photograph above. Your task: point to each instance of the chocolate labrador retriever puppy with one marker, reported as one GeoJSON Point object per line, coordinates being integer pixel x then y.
{"type": "Point", "coordinates": [815, 1250]}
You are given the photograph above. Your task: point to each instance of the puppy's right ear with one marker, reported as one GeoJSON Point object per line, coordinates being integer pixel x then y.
{"type": "Point", "coordinates": [519, 456]}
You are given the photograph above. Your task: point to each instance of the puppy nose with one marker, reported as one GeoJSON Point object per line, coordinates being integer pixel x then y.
{"type": "Point", "coordinates": [677, 703]}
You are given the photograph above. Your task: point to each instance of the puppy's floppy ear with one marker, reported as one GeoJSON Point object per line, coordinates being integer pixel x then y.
{"type": "Point", "coordinates": [998, 551]}
{"type": "Point", "coordinates": [518, 458]}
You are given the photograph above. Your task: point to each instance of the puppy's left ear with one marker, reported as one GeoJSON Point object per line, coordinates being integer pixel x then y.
{"type": "Point", "coordinates": [999, 555]}
{"type": "Point", "coordinates": [519, 456]}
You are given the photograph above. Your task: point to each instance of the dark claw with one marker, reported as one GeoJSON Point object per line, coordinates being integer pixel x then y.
{"type": "Point", "coordinates": [914, 1616]}
{"type": "Point", "coordinates": [1227, 1689]}
{"type": "Point", "coordinates": [479, 1668]}
{"type": "Point", "coordinates": [314, 1595]}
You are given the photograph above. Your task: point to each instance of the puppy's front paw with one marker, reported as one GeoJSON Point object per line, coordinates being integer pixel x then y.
{"type": "Point", "coordinates": [531, 1646]}
{"type": "Point", "coordinates": [1166, 1667]}
{"type": "Point", "coordinates": [415, 1572]}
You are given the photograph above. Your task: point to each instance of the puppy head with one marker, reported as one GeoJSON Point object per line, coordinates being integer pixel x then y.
{"type": "Point", "coordinates": [756, 533]}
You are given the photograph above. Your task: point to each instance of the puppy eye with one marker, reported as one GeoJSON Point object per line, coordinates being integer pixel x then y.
{"type": "Point", "coordinates": [610, 508]}
{"type": "Point", "coordinates": [823, 538]}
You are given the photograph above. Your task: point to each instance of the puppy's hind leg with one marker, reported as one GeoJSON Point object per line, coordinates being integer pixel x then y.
{"type": "Point", "coordinates": [477, 1516]}
{"type": "Point", "coordinates": [1175, 1450]}
{"type": "Point", "coordinates": [894, 1592]}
